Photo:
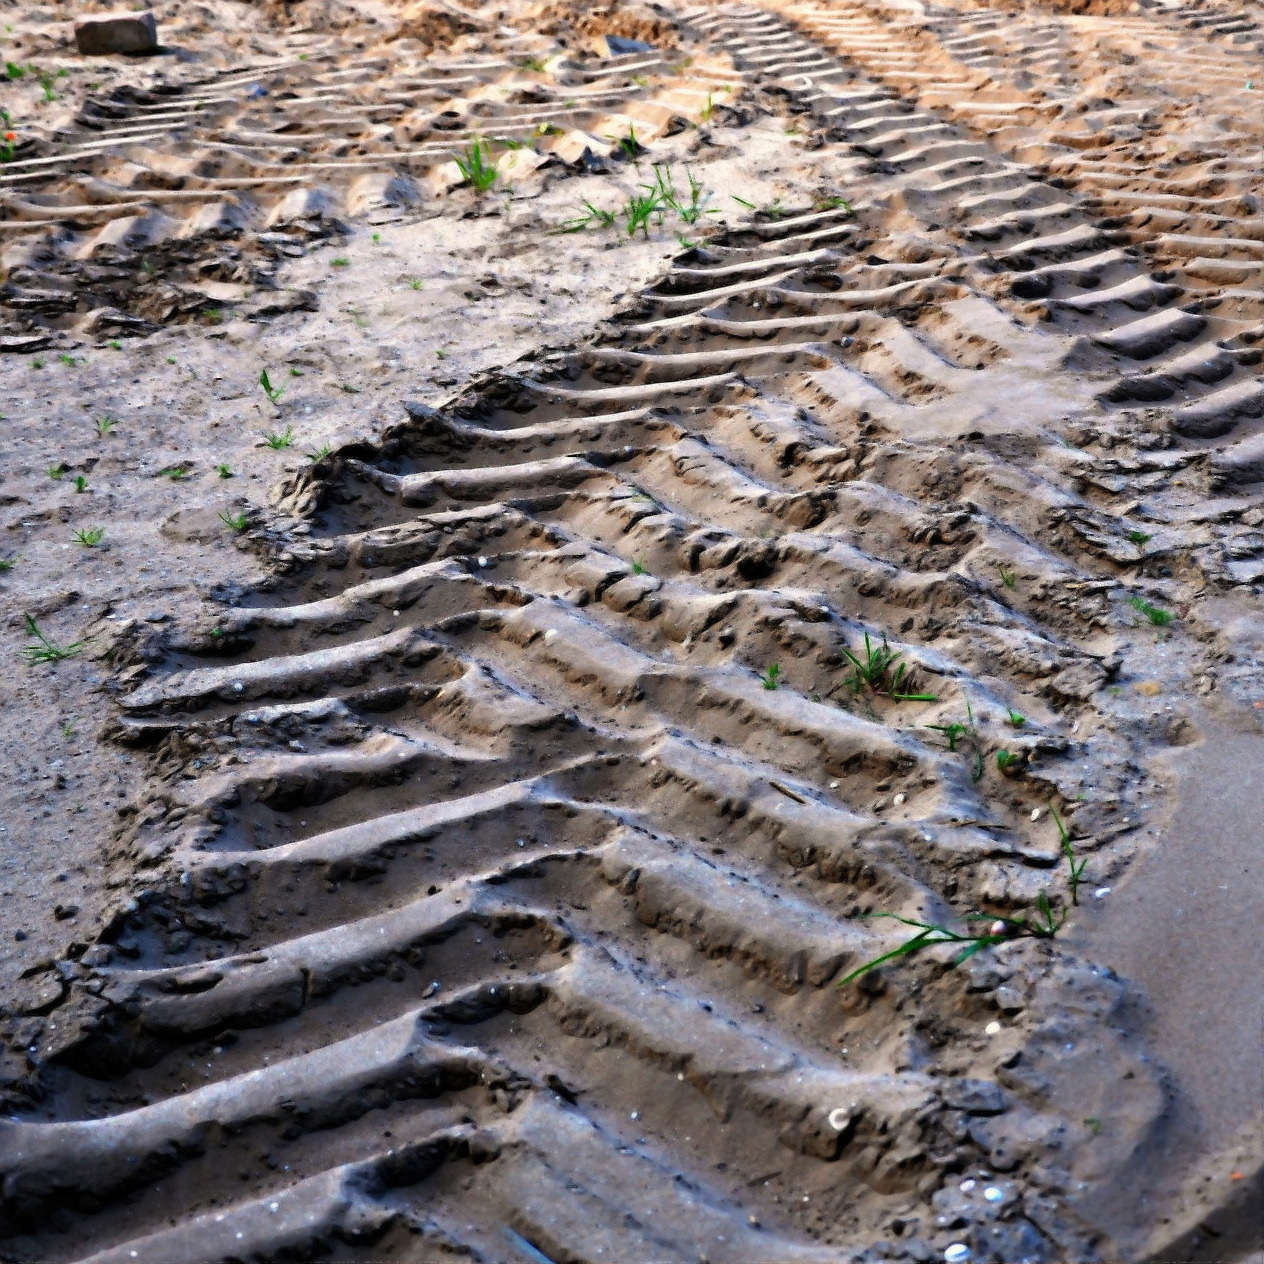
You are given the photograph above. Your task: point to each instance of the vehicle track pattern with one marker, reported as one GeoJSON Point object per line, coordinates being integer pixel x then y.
{"type": "Point", "coordinates": [489, 898]}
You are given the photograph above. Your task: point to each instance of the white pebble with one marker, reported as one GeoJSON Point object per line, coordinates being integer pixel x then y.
{"type": "Point", "coordinates": [900, 800]}
{"type": "Point", "coordinates": [839, 1118]}
{"type": "Point", "coordinates": [482, 561]}
{"type": "Point", "coordinates": [834, 785]}
{"type": "Point", "coordinates": [992, 1194]}
{"type": "Point", "coordinates": [1035, 814]}
{"type": "Point", "coordinates": [1100, 892]}
{"type": "Point", "coordinates": [238, 686]}
{"type": "Point", "coordinates": [967, 1186]}
{"type": "Point", "coordinates": [636, 1114]}
{"type": "Point", "coordinates": [993, 1028]}
{"type": "Point", "coordinates": [957, 1253]}
{"type": "Point", "coordinates": [550, 634]}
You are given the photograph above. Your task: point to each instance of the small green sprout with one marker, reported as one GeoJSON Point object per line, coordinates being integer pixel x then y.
{"type": "Point", "coordinates": [750, 206]}
{"type": "Point", "coordinates": [81, 483]}
{"type": "Point", "coordinates": [37, 362]}
{"type": "Point", "coordinates": [929, 934]}
{"type": "Point", "coordinates": [224, 470]}
{"type": "Point", "coordinates": [171, 360]}
{"type": "Point", "coordinates": [638, 567]}
{"type": "Point", "coordinates": [416, 284]}
{"type": "Point", "coordinates": [115, 345]}
{"type": "Point", "coordinates": [439, 351]}
{"type": "Point", "coordinates": [8, 563]}
{"type": "Point", "coordinates": [56, 471]}
{"type": "Point", "coordinates": [273, 393]}
{"type": "Point", "coordinates": [1159, 618]}
{"type": "Point", "coordinates": [105, 425]}
{"type": "Point", "coordinates": [176, 473]}
{"type": "Point", "coordinates": [1008, 578]}
{"type": "Point", "coordinates": [1015, 718]}
{"type": "Point", "coordinates": [1076, 867]}
{"type": "Point", "coordinates": [771, 679]}
{"type": "Point", "coordinates": [340, 262]}
{"type": "Point", "coordinates": [377, 239]}
{"type": "Point", "coordinates": [1140, 537]}
{"type": "Point", "coordinates": [278, 441]}
{"type": "Point", "coordinates": [295, 372]}
{"type": "Point", "coordinates": [90, 537]}
{"type": "Point", "coordinates": [46, 82]}
{"type": "Point", "coordinates": [1092, 1123]}
{"type": "Point", "coordinates": [475, 168]}
{"type": "Point", "coordinates": [638, 210]}
{"type": "Point", "coordinates": [319, 454]}
{"type": "Point", "coordinates": [44, 650]}
{"type": "Point", "coordinates": [67, 359]}
{"type": "Point", "coordinates": [1007, 759]}
{"type": "Point", "coordinates": [234, 522]}
{"type": "Point", "coordinates": [68, 729]}
{"type": "Point", "coordinates": [874, 672]}
{"type": "Point", "coordinates": [592, 216]}
{"type": "Point", "coordinates": [355, 390]}
{"type": "Point", "coordinates": [704, 115]}
{"type": "Point", "coordinates": [952, 732]}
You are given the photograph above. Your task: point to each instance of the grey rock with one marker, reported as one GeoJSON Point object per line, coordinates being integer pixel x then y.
{"type": "Point", "coordinates": [975, 1097]}
{"type": "Point", "coordinates": [105, 33]}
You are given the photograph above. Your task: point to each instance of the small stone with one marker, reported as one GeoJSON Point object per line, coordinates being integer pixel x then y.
{"type": "Point", "coordinates": [992, 1194]}
{"type": "Point", "coordinates": [1101, 893]}
{"type": "Point", "coordinates": [992, 1029]}
{"type": "Point", "coordinates": [1009, 1000]}
{"type": "Point", "coordinates": [106, 33]}
{"type": "Point", "coordinates": [19, 935]}
{"type": "Point", "coordinates": [900, 800]}
{"type": "Point", "coordinates": [1035, 814]}
{"type": "Point", "coordinates": [957, 1253]}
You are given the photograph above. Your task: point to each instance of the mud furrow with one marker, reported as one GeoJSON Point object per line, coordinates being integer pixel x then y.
{"type": "Point", "coordinates": [540, 785]}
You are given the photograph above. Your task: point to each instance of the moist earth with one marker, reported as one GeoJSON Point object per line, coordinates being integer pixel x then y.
{"type": "Point", "coordinates": [533, 535]}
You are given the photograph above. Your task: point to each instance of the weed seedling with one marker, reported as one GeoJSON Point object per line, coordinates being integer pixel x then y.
{"type": "Point", "coordinates": [535, 64]}
{"type": "Point", "coordinates": [1075, 867]}
{"type": "Point", "coordinates": [1092, 1123]}
{"type": "Point", "coordinates": [1007, 759]}
{"type": "Point", "coordinates": [44, 650]}
{"type": "Point", "coordinates": [771, 679]}
{"type": "Point", "coordinates": [441, 353]}
{"type": "Point", "coordinates": [833, 203]}
{"type": "Point", "coordinates": [593, 216]}
{"type": "Point", "coordinates": [105, 425]}
{"type": "Point", "coordinates": [278, 441]}
{"type": "Point", "coordinates": [1015, 718]}
{"type": "Point", "coordinates": [68, 729]}
{"type": "Point", "coordinates": [171, 359]}
{"type": "Point", "coordinates": [1008, 578]}
{"type": "Point", "coordinates": [56, 471]}
{"type": "Point", "coordinates": [874, 672]}
{"type": "Point", "coordinates": [273, 393]}
{"type": "Point", "coordinates": [81, 483]}
{"type": "Point", "coordinates": [1140, 537]}
{"type": "Point", "coordinates": [224, 470]}
{"type": "Point", "coordinates": [750, 206]}
{"type": "Point", "coordinates": [1159, 618]}
{"type": "Point", "coordinates": [46, 82]}
{"type": "Point", "coordinates": [475, 169]}
{"type": "Point", "coordinates": [175, 473]}
{"type": "Point", "coordinates": [638, 211]}
{"type": "Point", "coordinates": [1041, 926]}
{"type": "Point", "coordinates": [377, 239]}
{"type": "Point", "coordinates": [340, 262]}
{"type": "Point", "coordinates": [704, 115]}
{"type": "Point", "coordinates": [295, 372]}
{"type": "Point", "coordinates": [629, 145]}
{"type": "Point", "coordinates": [234, 522]}
{"type": "Point", "coordinates": [355, 390]}
{"type": "Point", "coordinates": [638, 567]}
{"type": "Point", "coordinates": [90, 537]}
{"type": "Point", "coordinates": [12, 69]}
{"type": "Point", "coordinates": [115, 345]}
{"type": "Point", "coordinates": [38, 362]}
{"type": "Point", "coordinates": [319, 454]}
{"type": "Point", "coordinates": [67, 359]}
{"type": "Point", "coordinates": [952, 732]}
{"type": "Point", "coordinates": [8, 563]}
{"type": "Point", "coordinates": [415, 284]}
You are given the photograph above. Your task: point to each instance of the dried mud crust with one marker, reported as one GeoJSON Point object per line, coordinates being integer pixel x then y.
{"type": "Point", "coordinates": [487, 901]}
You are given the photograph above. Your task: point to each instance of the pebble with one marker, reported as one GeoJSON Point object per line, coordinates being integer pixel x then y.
{"type": "Point", "coordinates": [482, 561]}
{"type": "Point", "coordinates": [238, 686]}
{"type": "Point", "coordinates": [900, 800]}
{"type": "Point", "coordinates": [957, 1253]}
{"type": "Point", "coordinates": [839, 1118]}
{"type": "Point", "coordinates": [967, 1186]}
{"type": "Point", "coordinates": [1100, 892]}
{"type": "Point", "coordinates": [1035, 814]}
{"type": "Point", "coordinates": [992, 1194]}
{"type": "Point", "coordinates": [992, 1029]}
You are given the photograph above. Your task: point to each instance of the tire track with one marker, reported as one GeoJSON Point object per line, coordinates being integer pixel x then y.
{"type": "Point", "coordinates": [480, 835]}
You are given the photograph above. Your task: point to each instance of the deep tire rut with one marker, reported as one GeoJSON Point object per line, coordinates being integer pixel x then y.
{"type": "Point", "coordinates": [491, 901]}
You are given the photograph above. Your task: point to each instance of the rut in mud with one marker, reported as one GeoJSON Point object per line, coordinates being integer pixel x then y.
{"type": "Point", "coordinates": [492, 887]}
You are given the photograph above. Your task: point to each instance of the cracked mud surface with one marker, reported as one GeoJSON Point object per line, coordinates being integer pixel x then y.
{"type": "Point", "coordinates": [452, 882]}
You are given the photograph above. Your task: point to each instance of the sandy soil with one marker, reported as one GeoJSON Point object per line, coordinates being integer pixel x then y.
{"type": "Point", "coordinates": [459, 805]}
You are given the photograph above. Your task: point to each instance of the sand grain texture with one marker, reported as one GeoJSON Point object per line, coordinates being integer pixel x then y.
{"type": "Point", "coordinates": [472, 891]}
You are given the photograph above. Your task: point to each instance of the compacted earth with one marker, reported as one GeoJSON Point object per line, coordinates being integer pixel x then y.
{"type": "Point", "coordinates": [539, 540]}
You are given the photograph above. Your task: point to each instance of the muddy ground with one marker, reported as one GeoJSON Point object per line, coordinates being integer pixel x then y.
{"type": "Point", "coordinates": [464, 776]}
